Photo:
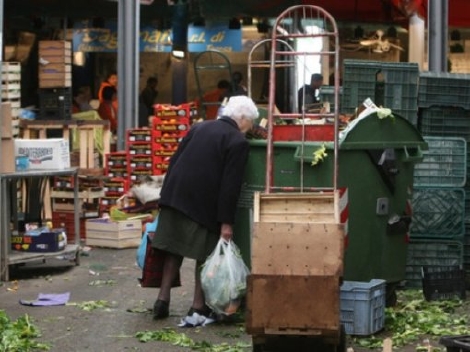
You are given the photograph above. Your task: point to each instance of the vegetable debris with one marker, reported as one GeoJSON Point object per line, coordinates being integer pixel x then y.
{"type": "Point", "coordinates": [413, 317]}
{"type": "Point", "coordinates": [19, 335]}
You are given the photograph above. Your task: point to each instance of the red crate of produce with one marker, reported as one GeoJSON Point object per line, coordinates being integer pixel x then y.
{"type": "Point", "coordinates": [140, 162]}
{"type": "Point", "coordinates": [115, 186]}
{"type": "Point", "coordinates": [168, 136]}
{"type": "Point", "coordinates": [115, 159]}
{"type": "Point", "coordinates": [141, 148]}
{"type": "Point", "coordinates": [138, 135]}
{"type": "Point", "coordinates": [117, 172]}
{"type": "Point", "coordinates": [137, 175]}
{"type": "Point", "coordinates": [173, 124]}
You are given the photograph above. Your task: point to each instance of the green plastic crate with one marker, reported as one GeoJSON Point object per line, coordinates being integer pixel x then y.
{"type": "Point", "coordinates": [444, 163]}
{"type": "Point", "coordinates": [430, 253]}
{"type": "Point", "coordinates": [445, 121]}
{"type": "Point", "coordinates": [444, 88]}
{"type": "Point", "coordinates": [438, 213]}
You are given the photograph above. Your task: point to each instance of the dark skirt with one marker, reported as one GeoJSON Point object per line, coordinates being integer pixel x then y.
{"type": "Point", "coordinates": [176, 233]}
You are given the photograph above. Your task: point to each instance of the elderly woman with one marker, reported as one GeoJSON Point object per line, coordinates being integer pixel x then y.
{"type": "Point", "coordinates": [199, 198]}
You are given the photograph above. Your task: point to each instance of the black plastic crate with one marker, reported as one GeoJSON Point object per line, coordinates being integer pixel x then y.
{"type": "Point", "coordinates": [443, 282]}
{"type": "Point", "coordinates": [55, 114]}
{"type": "Point", "coordinates": [55, 98]}
{"type": "Point", "coordinates": [459, 343]}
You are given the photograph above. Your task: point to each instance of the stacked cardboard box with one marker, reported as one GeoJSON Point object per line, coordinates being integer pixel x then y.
{"type": "Point", "coordinates": [55, 64]}
{"type": "Point", "coordinates": [55, 80]}
{"type": "Point", "coordinates": [7, 147]}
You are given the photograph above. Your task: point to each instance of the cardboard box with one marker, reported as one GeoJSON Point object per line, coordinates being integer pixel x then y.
{"type": "Point", "coordinates": [51, 241]}
{"type": "Point", "coordinates": [113, 234]}
{"type": "Point", "coordinates": [51, 153]}
{"type": "Point", "coordinates": [6, 120]}
{"type": "Point", "coordinates": [8, 155]}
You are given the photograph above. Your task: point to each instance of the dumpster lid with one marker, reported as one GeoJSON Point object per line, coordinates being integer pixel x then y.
{"type": "Point", "coordinates": [381, 130]}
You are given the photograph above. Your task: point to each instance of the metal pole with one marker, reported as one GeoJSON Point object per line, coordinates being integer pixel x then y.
{"type": "Point", "coordinates": [128, 67]}
{"type": "Point", "coordinates": [438, 13]}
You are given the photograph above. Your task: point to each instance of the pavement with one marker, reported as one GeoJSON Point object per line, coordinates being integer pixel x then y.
{"type": "Point", "coordinates": [108, 279]}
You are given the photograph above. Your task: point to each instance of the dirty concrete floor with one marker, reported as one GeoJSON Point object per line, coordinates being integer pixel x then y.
{"type": "Point", "coordinates": [110, 275]}
{"type": "Point", "coordinates": [70, 328]}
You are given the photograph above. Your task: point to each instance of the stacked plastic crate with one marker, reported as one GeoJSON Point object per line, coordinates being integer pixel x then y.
{"type": "Point", "coordinates": [438, 221]}
{"type": "Point", "coordinates": [169, 126]}
{"type": "Point", "coordinates": [444, 111]}
{"type": "Point", "coordinates": [148, 153]}
{"type": "Point", "coordinates": [139, 153]}
{"type": "Point", "coordinates": [63, 202]}
{"type": "Point", "coordinates": [389, 84]}
{"type": "Point", "coordinates": [115, 182]}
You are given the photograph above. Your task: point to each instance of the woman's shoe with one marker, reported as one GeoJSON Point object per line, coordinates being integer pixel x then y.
{"type": "Point", "coordinates": [161, 309]}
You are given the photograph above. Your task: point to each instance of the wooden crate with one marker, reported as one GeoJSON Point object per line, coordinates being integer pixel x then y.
{"type": "Point", "coordinates": [297, 249]}
{"type": "Point", "coordinates": [297, 265]}
{"type": "Point", "coordinates": [293, 305]}
{"type": "Point", "coordinates": [296, 207]}
{"type": "Point", "coordinates": [52, 48]}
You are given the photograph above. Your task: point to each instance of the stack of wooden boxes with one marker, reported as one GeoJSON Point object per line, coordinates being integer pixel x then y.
{"type": "Point", "coordinates": [11, 92]}
{"type": "Point", "coordinates": [55, 80]}
{"type": "Point", "coordinates": [8, 145]}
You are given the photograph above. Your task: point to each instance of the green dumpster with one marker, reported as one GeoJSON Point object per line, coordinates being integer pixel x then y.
{"type": "Point", "coordinates": [375, 164]}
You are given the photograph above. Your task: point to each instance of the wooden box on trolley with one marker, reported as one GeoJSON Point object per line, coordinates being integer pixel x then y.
{"type": "Point", "coordinates": [297, 266]}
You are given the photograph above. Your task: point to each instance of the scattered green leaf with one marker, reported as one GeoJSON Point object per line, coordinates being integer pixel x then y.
{"type": "Point", "coordinates": [182, 340]}
{"type": "Point", "coordinates": [19, 335]}
{"type": "Point", "coordinates": [413, 317]}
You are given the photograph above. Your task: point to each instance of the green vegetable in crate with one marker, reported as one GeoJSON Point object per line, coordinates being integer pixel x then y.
{"type": "Point", "coordinates": [223, 278]}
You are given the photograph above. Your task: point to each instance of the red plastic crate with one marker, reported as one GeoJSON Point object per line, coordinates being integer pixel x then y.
{"type": "Point", "coordinates": [138, 135]}
{"type": "Point", "coordinates": [174, 124]}
{"type": "Point", "coordinates": [140, 148]}
{"type": "Point", "coordinates": [139, 162]}
{"type": "Point", "coordinates": [66, 220]}
{"type": "Point", "coordinates": [303, 133]}
{"type": "Point", "coordinates": [115, 186]}
{"type": "Point", "coordinates": [115, 159]}
{"type": "Point", "coordinates": [160, 137]}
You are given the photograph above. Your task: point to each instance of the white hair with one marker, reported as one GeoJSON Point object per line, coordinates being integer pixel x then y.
{"type": "Point", "coordinates": [241, 106]}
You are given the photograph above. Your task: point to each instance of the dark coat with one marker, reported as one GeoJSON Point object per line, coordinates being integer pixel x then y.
{"type": "Point", "coordinates": [205, 174]}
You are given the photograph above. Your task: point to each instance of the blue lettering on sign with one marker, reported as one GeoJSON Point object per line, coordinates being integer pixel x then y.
{"type": "Point", "coordinates": [218, 37]}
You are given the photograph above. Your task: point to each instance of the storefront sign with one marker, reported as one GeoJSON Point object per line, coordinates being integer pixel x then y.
{"type": "Point", "coordinates": [153, 40]}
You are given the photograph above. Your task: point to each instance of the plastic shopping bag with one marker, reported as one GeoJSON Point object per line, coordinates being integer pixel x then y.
{"type": "Point", "coordinates": [223, 278]}
{"type": "Point", "coordinates": [141, 250]}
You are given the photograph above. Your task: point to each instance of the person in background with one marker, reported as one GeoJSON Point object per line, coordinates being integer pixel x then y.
{"type": "Point", "coordinates": [198, 199]}
{"type": "Point", "coordinates": [236, 87]}
{"type": "Point", "coordinates": [81, 100]}
{"type": "Point", "coordinates": [310, 92]}
{"type": "Point", "coordinates": [107, 109]}
{"type": "Point", "coordinates": [111, 81]}
{"type": "Point", "coordinates": [147, 99]}
{"type": "Point", "coordinates": [212, 99]}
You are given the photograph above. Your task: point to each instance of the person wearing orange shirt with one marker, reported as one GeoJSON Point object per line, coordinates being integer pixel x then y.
{"type": "Point", "coordinates": [211, 100]}
{"type": "Point", "coordinates": [107, 110]}
{"type": "Point", "coordinates": [111, 81]}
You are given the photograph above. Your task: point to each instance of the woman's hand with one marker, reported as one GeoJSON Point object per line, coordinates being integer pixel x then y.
{"type": "Point", "coordinates": [226, 232]}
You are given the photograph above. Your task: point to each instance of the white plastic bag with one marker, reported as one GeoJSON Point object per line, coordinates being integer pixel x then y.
{"type": "Point", "coordinates": [223, 278]}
